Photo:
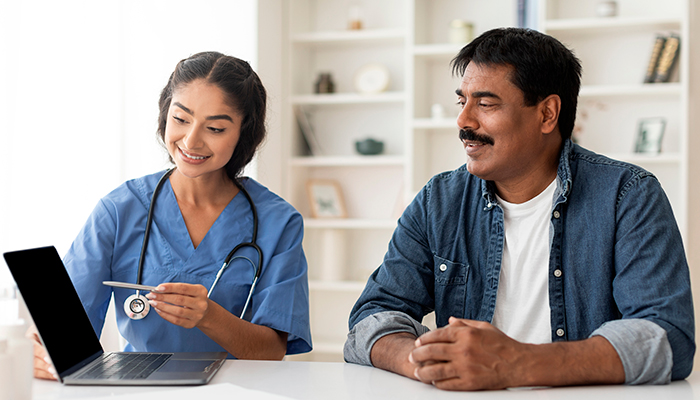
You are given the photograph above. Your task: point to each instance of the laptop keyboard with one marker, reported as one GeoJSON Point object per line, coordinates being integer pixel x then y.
{"type": "Point", "coordinates": [125, 366]}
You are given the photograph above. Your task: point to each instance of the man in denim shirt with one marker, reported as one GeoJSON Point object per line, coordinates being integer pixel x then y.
{"type": "Point", "coordinates": [545, 264]}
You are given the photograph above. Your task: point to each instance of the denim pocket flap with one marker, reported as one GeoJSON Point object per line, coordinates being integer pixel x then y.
{"type": "Point", "coordinates": [449, 272]}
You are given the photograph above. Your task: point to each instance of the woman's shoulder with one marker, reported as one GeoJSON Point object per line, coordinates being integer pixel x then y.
{"type": "Point", "coordinates": [136, 189]}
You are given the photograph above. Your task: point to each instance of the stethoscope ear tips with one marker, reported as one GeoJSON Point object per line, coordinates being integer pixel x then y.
{"type": "Point", "coordinates": [136, 306]}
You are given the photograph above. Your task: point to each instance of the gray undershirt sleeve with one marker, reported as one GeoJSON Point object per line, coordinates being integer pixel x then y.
{"type": "Point", "coordinates": [365, 333]}
{"type": "Point", "coordinates": [643, 348]}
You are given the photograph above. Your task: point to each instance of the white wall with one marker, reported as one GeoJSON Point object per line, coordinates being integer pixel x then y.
{"type": "Point", "coordinates": [79, 86]}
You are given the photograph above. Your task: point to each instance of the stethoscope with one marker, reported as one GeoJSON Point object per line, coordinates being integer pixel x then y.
{"type": "Point", "coordinates": [136, 306]}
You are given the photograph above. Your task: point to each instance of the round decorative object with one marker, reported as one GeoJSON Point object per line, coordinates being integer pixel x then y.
{"type": "Point", "coordinates": [372, 78]}
{"type": "Point", "coordinates": [369, 147]}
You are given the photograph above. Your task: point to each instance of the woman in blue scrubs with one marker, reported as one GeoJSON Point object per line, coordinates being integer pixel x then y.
{"type": "Point", "coordinates": [211, 121]}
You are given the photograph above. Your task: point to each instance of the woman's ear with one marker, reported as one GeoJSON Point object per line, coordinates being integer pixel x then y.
{"type": "Point", "coordinates": [550, 108]}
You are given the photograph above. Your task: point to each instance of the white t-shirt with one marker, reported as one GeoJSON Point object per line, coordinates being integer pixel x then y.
{"type": "Point", "coordinates": [522, 303]}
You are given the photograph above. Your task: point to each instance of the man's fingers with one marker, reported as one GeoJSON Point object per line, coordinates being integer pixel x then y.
{"type": "Point", "coordinates": [433, 352]}
{"type": "Point", "coordinates": [435, 372]}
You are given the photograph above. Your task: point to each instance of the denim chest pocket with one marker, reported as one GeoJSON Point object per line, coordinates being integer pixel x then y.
{"type": "Point", "coordinates": [450, 289]}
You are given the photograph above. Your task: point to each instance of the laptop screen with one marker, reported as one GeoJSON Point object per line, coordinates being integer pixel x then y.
{"type": "Point", "coordinates": [54, 305]}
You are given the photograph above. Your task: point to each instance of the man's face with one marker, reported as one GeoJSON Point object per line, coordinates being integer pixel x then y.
{"type": "Point", "coordinates": [502, 137]}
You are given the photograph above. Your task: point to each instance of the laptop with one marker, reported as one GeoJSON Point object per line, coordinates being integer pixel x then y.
{"type": "Point", "coordinates": [76, 353]}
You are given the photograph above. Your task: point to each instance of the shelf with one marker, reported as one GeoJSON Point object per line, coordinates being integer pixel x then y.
{"type": "Point", "coordinates": [349, 98]}
{"type": "Point", "coordinates": [348, 223]}
{"type": "Point", "coordinates": [608, 25]}
{"type": "Point", "coordinates": [347, 161]}
{"type": "Point", "coordinates": [368, 36]}
{"type": "Point", "coordinates": [437, 51]}
{"type": "Point", "coordinates": [649, 89]}
{"type": "Point", "coordinates": [337, 286]}
{"type": "Point", "coordinates": [647, 159]}
{"type": "Point", "coordinates": [435, 123]}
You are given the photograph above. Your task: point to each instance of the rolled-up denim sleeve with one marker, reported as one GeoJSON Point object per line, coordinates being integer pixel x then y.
{"type": "Point", "coordinates": [366, 333]}
{"type": "Point", "coordinates": [643, 348]}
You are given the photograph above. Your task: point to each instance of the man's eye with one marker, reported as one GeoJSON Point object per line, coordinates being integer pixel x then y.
{"type": "Point", "coordinates": [460, 103]}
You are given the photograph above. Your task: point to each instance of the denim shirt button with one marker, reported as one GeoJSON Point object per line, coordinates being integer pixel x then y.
{"type": "Point", "coordinates": [557, 273]}
{"type": "Point", "coordinates": [443, 267]}
{"type": "Point", "coordinates": [560, 332]}
{"type": "Point", "coordinates": [557, 214]}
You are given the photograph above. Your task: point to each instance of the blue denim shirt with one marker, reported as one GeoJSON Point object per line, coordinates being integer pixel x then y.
{"type": "Point", "coordinates": [617, 265]}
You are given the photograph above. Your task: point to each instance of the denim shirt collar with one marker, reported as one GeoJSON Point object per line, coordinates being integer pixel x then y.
{"type": "Point", "coordinates": [488, 188]}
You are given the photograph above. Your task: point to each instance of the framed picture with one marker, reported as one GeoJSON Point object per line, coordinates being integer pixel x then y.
{"type": "Point", "coordinates": [326, 199]}
{"type": "Point", "coordinates": [651, 131]}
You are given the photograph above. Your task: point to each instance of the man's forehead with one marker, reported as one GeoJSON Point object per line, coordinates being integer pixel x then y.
{"type": "Point", "coordinates": [490, 77]}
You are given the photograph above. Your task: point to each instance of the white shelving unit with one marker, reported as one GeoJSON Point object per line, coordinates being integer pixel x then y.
{"type": "Point", "coordinates": [614, 52]}
{"type": "Point", "coordinates": [410, 38]}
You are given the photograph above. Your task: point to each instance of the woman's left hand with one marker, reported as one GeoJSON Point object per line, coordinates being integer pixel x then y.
{"type": "Point", "coordinates": [182, 304]}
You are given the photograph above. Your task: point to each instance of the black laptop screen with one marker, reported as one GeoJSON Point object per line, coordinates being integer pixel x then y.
{"type": "Point", "coordinates": [54, 306]}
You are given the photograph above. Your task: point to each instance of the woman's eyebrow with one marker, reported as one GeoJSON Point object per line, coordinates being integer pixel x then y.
{"type": "Point", "coordinates": [210, 118]}
{"type": "Point", "coordinates": [222, 116]}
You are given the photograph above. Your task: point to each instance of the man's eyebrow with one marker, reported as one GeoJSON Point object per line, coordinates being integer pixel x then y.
{"type": "Point", "coordinates": [486, 94]}
{"type": "Point", "coordinates": [480, 94]}
{"type": "Point", "coordinates": [210, 118]}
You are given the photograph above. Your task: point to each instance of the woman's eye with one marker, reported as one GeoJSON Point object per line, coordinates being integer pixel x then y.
{"type": "Point", "coordinates": [180, 120]}
{"type": "Point", "coordinates": [216, 130]}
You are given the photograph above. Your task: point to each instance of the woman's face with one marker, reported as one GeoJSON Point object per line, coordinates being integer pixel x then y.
{"type": "Point", "coordinates": [201, 129]}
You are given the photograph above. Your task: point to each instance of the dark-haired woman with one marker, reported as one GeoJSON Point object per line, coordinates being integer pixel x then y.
{"type": "Point", "coordinates": [212, 120]}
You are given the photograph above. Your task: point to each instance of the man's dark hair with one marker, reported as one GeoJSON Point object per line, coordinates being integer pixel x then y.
{"type": "Point", "coordinates": [542, 66]}
{"type": "Point", "coordinates": [243, 91]}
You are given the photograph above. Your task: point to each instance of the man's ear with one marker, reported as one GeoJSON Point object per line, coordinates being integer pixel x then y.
{"type": "Point", "coordinates": [549, 110]}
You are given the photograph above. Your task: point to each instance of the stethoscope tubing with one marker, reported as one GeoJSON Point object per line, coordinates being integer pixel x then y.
{"type": "Point", "coordinates": [230, 257]}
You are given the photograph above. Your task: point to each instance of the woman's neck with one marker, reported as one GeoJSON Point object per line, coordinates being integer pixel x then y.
{"type": "Point", "coordinates": [203, 191]}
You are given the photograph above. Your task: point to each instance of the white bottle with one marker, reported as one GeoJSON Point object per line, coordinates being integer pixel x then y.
{"type": "Point", "coordinates": [20, 351]}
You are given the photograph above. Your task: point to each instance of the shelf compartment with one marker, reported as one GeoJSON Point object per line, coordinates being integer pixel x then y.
{"type": "Point", "coordinates": [349, 98]}
{"type": "Point", "coordinates": [435, 123]}
{"type": "Point", "coordinates": [607, 25]}
{"type": "Point", "coordinates": [364, 37]}
{"type": "Point", "coordinates": [437, 51]}
{"type": "Point", "coordinates": [347, 161]}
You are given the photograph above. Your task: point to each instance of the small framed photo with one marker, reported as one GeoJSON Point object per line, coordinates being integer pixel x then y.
{"type": "Point", "coordinates": [326, 199]}
{"type": "Point", "coordinates": [651, 131]}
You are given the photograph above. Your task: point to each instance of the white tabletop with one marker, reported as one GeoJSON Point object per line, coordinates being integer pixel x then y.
{"type": "Point", "coordinates": [337, 381]}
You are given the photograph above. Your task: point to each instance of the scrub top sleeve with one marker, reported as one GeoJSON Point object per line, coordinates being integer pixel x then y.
{"type": "Point", "coordinates": [88, 262]}
{"type": "Point", "coordinates": [281, 299]}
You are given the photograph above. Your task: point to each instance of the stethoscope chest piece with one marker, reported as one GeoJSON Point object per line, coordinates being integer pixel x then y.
{"type": "Point", "coordinates": [136, 306]}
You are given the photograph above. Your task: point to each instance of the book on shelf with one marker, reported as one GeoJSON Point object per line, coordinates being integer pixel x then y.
{"type": "Point", "coordinates": [664, 54]}
{"type": "Point", "coordinates": [308, 135]}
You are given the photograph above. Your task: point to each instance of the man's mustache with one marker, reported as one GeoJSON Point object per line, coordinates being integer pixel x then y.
{"type": "Point", "coordinates": [470, 135]}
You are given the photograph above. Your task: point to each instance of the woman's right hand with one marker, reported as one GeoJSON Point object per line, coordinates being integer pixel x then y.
{"type": "Point", "coordinates": [42, 365]}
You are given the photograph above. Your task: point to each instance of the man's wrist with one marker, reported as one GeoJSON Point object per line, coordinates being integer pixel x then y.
{"type": "Point", "coordinates": [391, 352]}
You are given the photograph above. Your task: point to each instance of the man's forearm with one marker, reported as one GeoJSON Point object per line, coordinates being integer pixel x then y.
{"type": "Point", "coordinates": [391, 353]}
{"type": "Point", "coordinates": [590, 361]}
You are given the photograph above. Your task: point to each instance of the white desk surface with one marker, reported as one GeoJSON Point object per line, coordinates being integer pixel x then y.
{"type": "Point", "coordinates": [337, 381]}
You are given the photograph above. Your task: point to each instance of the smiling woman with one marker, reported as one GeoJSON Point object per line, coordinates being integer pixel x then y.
{"type": "Point", "coordinates": [79, 81]}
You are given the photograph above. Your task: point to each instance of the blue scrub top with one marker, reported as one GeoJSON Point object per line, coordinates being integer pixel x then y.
{"type": "Point", "coordinates": [108, 248]}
